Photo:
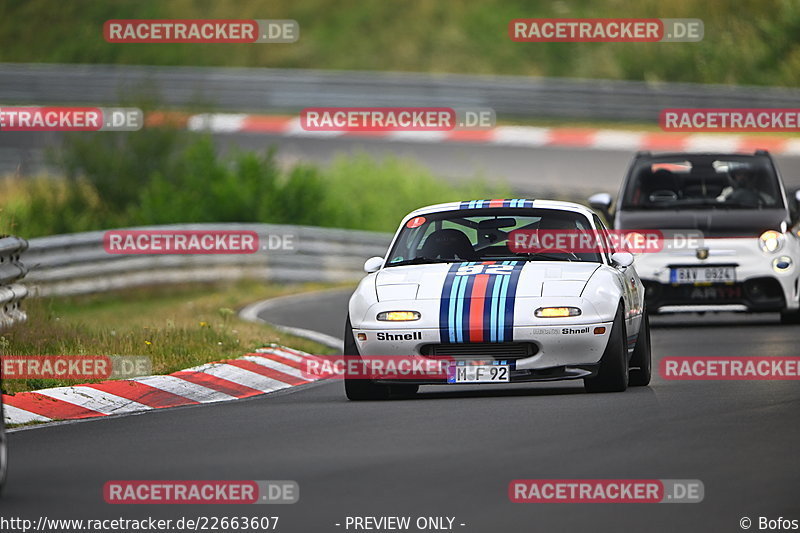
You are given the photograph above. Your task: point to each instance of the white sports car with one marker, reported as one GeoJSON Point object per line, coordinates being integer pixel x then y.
{"type": "Point", "coordinates": [453, 288]}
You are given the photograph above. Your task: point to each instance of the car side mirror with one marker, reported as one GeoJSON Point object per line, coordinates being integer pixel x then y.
{"type": "Point", "coordinates": [601, 202]}
{"type": "Point", "coordinates": [622, 259]}
{"type": "Point", "coordinates": [794, 206]}
{"type": "Point", "coordinates": [373, 264]}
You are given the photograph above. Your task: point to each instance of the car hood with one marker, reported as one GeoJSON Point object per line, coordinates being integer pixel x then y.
{"type": "Point", "coordinates": [424, 282]}
{"type": "Point", "coordinates": [712, 222]}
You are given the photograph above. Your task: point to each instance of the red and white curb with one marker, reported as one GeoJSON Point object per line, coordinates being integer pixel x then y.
{"type": "Point", "coordinates": [525, 136]}
{"type": "Point", "coordinates": [264, 371]}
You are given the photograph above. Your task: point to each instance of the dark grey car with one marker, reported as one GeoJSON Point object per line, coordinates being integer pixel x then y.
{"type": "Point", "coordinates": [747, 255]}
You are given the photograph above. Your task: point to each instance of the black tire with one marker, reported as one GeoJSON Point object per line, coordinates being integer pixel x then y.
{"type": "Point", "coordinates": [641, 361]}
{"type": "Point", "coordinates": [359, 389]}
{"type": "Point", "coordinates": [790, 317]}
{"type": "Point", "coordinates": [612, 376]}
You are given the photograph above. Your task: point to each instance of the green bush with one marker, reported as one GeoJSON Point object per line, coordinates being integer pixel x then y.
{"type": "Point", "coordinates": [116, 184]}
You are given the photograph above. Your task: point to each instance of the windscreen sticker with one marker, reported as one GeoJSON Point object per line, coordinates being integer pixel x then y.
{"type": "Point", "coordinates": [415, 222]}
{"type": "Point", "coordinates": [478, 204]}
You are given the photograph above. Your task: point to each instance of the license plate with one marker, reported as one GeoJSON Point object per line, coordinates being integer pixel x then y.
{"type": "Point", "coordinates": [478, 373]}
{"type": "Point", "coordinates": [708, 274]}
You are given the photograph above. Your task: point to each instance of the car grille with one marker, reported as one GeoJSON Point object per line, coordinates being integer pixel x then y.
{"type": "Point", "coordinates": [482, 350]}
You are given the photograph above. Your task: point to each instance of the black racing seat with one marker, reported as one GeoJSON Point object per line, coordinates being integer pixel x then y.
{"type": "Point", "coordinates": [448, 244]}
{"type": "Point", "coordinates": [660, 186]}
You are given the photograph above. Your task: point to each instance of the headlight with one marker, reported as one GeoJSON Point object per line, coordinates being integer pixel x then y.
{"type": "Point", "coordinates": [771, 241]}
{"type": "Point", "coordinates": [399, 316]}
{"type": "Point", "coordinates": [556, 312]}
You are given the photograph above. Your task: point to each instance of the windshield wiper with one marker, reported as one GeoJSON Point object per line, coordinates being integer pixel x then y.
{"type": "Point", "coordinates": [421, 261]}
{"type": "Point", "coordinates": [533, 256]}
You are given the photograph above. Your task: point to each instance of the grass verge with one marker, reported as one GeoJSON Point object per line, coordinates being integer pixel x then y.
{"type": "Point", "coordinates": [177, 327]}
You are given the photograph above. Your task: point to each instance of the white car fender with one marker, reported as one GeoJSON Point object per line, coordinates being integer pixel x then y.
{"type": "Point", "coordinates": [605, 289]}
{"type": "Point", "coordinates": [364, 297]}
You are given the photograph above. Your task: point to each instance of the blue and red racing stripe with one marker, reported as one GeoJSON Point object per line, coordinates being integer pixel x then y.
{"type": "Point", "coordinates": [478, 204]}
{"type": "Point", "coordinates": [477, 303]}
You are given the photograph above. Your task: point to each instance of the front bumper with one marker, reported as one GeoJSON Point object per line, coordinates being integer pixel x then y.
{"type": "Point", "coordinates": [759, 286]}
{"type": "Point", "coordinates": [537, 353]}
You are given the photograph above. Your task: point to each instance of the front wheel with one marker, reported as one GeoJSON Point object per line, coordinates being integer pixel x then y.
{"type": "Point", "coordinates": [612, 376]}
{"type": "Point", "coordinates": [790, 317]}
{"type": "Point", "coordinates": [360, 389]}
{"type": "Point", "coordinates": [641, 360]}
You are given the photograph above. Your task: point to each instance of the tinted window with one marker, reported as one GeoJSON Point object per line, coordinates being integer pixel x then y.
{"type": "Point", "coordinates": [703, 182]}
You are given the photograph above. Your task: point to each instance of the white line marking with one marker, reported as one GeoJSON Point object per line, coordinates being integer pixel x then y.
{"type": "Point", "coordinates": [240, 376]}
{"type": "Point", "coordinates": [275, 365]}
{"type": "Point", "coordinates": [521, 136]}
{"type": "Point", "coordinates": [792, 147]}
{"type": "Point", "coordinates": [712, 143]}
{"type": "Point", "coordinates": [216, 122]}
{"type": "Point", "coordinates": [251, 312]}
{"type": "Point", "coordinates": [419, 136]}
{"type": "Point", "coordinates": [15, 415]}
{"type": "Point", "coordinates": [617, 140]}
{"type": "Point", "coordinates": [96, 400]}
{"type": "Point", "coordinates": [185, 389]}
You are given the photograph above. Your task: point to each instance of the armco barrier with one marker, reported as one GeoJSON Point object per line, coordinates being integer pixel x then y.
{"type": "Point", "coordinates": [289, 90]}
{"type": "Point", "coordinates": [79, 264]}
{"type": "Point", "coordinates": [12, 270]}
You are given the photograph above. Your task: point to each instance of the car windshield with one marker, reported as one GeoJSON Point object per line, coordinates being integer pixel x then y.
{"type": "Point", "coordinates": [484, 235]}
{"type": "Point", "coordinates": [703, 182]}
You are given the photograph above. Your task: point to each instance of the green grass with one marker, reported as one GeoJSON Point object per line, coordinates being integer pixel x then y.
{"type": "Point", "coordinates": [746, 41]}
{"type": "Point", "coordinates": [157, 176]}
{"type": "Point", "coordinates": [177, 327]}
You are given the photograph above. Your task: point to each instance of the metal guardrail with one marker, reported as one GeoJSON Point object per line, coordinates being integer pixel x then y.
{"type": "Point", "coordinates": [254, 89]}
{"type": "Point", "coordinates": [11, 271]}
{"type": "Point", "coordinates": [79, 264]}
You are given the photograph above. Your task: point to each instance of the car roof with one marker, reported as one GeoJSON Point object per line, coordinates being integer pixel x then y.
{"type": "Point", "coordinates": [509, 204]}
{"type": "Point", "coordinates": [701, 155]}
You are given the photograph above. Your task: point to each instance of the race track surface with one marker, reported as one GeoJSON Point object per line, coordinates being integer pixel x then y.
{"type": "Point", "coordinates": [451, 451]}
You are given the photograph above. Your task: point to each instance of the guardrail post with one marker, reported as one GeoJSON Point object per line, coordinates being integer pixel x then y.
{"type": "Point", "coordinates": [11, 271]}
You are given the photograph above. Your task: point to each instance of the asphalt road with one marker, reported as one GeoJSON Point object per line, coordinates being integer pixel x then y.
{"type": "Point", "coordinates": [451, 452]}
